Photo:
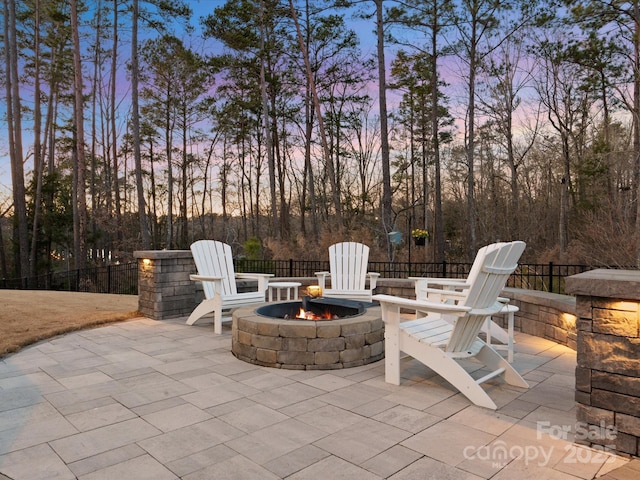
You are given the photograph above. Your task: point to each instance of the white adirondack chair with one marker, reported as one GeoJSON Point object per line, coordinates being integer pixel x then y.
{"type": "Point", "coordinates": [214, 262]}
{"type": "Point", "coordinates": [348, 272]}
{"type": "Point", "coordinates": [439, 344]}
{"type": "Point", "coordinates": [425, 291]}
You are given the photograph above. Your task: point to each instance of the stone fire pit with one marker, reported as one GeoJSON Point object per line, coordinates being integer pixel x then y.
{"type": "Point", "coordinates": [308, 344]}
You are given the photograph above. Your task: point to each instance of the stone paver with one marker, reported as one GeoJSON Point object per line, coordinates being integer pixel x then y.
{"type": "Point", "coordinates": [162, 400]}
{"type": "Point", "coordinates": [141, 468]}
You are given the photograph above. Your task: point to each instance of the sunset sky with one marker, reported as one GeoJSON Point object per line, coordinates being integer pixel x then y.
{"type": "Point", "coordinates": [200, 8]}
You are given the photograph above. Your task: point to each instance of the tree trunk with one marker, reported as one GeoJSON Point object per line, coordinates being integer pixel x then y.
{"type": "Point", "coordinates": [3, 256]}
{"type": "Point", "coordinates": [471, 204]}
{"type": "Point", "coordinates": [168, 139]}
{"type": "Point", "coordinates": [386, 205]}
{"type": "Point", "coordinates": [96, 80]}
{"type": "Point", "coordinates": [438, 220]}
{"type": "Point", "coordinates": [636, 119]}
{"type": "Point", "coordinates": [135, 124]}
{"type": "Point", "coordinates": [38, 160]}
{"type": "Point", "coordinates": [308, 180]}
{"type": "Point", "coordinates": [266, 122]}
{"type": "Point", "coordinates": [117, 207]}
{"type": "Point", "coordinates": [184, 234]}
{"type": "Point", "coordinates": [323, 136]}
{"type": "Point", "coordinates": [154, 203]}
{"type": "Point", "coordinates": [80, 224]}
{"type": "Point", "coordinates": [14, 121]}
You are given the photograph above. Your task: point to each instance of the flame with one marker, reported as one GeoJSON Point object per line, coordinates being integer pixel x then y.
{"type": "Point", "coordinates": [306, 315]}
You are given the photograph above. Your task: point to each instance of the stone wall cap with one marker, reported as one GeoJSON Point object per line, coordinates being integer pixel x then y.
{"type": "Point", "coordinates": [564, 303]}
{"type": "Point", "coordinates": [162, 254]}
{"type": "Point", "coordinates": [607, 283]}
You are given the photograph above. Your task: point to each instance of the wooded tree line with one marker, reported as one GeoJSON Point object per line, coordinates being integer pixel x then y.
{"type": "Point", "coordinates": [141, 124]}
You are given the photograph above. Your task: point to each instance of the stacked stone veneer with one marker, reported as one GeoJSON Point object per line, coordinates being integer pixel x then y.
{"type": "Point", "coordinates": [608, 358]}
{"type": "Point", "coordinates": [164, 288]}
{"type": "Point", "coordinates": [543, 314]}
{"type": "Point", "coordinates": [307, 344]}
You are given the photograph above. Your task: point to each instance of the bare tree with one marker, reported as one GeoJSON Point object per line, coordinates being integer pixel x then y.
{"type": "Point", "coordinates": [567, 99]}
{"type": "Point", "coordinates": [80, 199]}
{"type": "Point", "coordinates": [135, 125]}
{"type": "Point", "coordinates": [386, 205]}
{"type": "Point", "coordinates": [316, 103]}
{"type": "Point", "coordinates": [14, 122]}
{"type": "Point", "coordinates": [506, 79]}
{"type": "Point", "coordinates": [38, 157]}
{"type": "Point", "coordinates": [115, 169]}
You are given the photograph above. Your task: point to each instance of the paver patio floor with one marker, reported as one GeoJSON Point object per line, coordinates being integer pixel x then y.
{"type": "Point", "coordinates": [145, 399]}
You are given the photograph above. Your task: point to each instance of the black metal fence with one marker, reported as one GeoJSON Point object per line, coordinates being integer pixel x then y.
{"type": "Point", "coordinates": [547, 277]}
{"type": "Point", "coordinates": [123, 278]}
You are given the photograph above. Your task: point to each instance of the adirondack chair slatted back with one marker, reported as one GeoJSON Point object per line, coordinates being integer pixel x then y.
{"type": "Point", "coordinates": [348, 265]}
{"type": "Point", "coordinates": [498, 263]}
{"type": "Point", "coordinates": [422, 286]}
{"type": "Point", "coordinates": [215, 259]}
{"type": "Point", "coordinates": [476, 268]}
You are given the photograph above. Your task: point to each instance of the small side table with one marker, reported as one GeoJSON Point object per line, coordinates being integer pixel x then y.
{"type": "Point", "coordinates": [289, 287]}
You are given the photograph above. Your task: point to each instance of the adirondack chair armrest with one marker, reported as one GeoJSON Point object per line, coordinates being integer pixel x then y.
{"type": "Point", "coordinates": [204, 278]}
{"type": "Point", "coordinates": [322, 278]}
{"type": "Point", "coordinates": [452, 293]}
{"type": "Point", "coordinates": [442, 282]}
{"type": "Point", "coordinates": [217, 281]}
{"type": "Point", "coordinates": [444, 286]}
{"type": "Point", "coordinates": [263, 279]}
{"type": "Point", "coordinates": [508, 308]}
{"type": "Point", "coordinates": [449, 284]}
{"type": "Point", "coordinates": [488, 311]}
{"type": "Point", "coordinates": [422, 305]}
{"type": "Point", "coordinates": [373, 279]}
{"type": "Point", "coordinates": [443, 295]}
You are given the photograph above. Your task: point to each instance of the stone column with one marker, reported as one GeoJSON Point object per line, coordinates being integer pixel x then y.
{"type": "Point", "coordinates": [164, 288]}
{"type": "Point", "coordinates": [608, 359]}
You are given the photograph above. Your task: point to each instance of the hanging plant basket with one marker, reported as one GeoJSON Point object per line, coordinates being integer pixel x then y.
{"type": "Point", "coordinates": [419, 236]}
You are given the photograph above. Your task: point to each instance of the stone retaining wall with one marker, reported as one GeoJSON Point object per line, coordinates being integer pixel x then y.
{"type": "Point", "coordinates": [545, 315]}
{"type": "Point", "coordinates": [165, 291]}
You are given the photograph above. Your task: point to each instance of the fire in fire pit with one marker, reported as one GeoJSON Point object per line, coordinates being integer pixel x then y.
{"type": "Point", "coordinates": [307, 315]}
{"type": "Point", "coordinates": [314, 309]}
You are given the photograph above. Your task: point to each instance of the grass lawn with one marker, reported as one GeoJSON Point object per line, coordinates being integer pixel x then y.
{"type": "Point", "coordinates": [28, 316]}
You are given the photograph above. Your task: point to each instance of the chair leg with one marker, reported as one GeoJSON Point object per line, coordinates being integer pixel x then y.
{"type": "Point", "coordinates": [391, 357]}
{"type": "Point", "coordinates": [217, 316]}
{"type": "Point", "coordinates": [210, 305]}
{"type": "Point", "coordinates": [493, 360]}
{"type": "Point", "coordinates": [205, 307]}
{"type": "Point", "coordinates": [495, 331]}
{"type": "Point", "coordinates": [491, 327]}
{"type": "Point", "coordinates": [450, 370]}
{"type": "Point", "coordinates": [510, 316]}
{"type": "Point", "coordinates": [391, 317]}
